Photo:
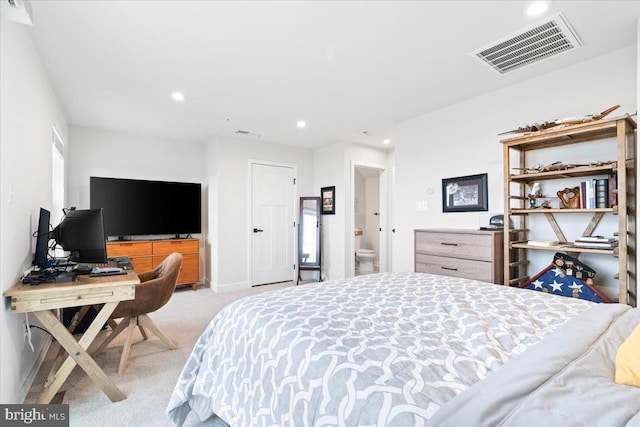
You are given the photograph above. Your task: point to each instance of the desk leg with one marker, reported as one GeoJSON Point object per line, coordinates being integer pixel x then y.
{"type": "Point", "coordinates": [60, 354]}
{"type": "Point", "coordinates": [77, 354]}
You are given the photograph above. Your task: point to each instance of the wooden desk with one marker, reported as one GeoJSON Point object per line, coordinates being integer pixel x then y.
{"type": "Point", "coordinates": [84, 291]}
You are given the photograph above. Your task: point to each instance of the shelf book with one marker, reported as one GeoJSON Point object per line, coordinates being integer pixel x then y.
{"type": "Point", "coordinates": [596, 242]}
{"type": "Point", "coordinates": [594, 193]}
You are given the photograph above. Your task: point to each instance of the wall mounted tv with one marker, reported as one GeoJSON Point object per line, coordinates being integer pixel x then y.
{"type": "Point", "coordinates": [139, 207]}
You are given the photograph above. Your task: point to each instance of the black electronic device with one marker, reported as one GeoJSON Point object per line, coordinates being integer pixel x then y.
{"type": "Point", "coordinates": [81, 232]}
{"type": "Point", "coordinates": [140, 207]}
{"type": "Point", "coordinates": [65, 277]}
{"type": "Point", "coordinates": [106, 271]}
{"type": "Point", "coordinates": [496, 222]}
{"type": "Point", "coordinates": [41, 256]}
{"type": "Point", "coordinates": [122, 262]}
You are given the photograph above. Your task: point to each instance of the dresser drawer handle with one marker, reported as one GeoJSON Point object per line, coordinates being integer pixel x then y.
{"type": "Point", "coordinates": [448, 244]}
{"type": "Point", "coordinates": [449, 268]}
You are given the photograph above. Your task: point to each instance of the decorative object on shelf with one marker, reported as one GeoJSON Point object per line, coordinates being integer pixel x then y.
{"type": "Point", "coordinates": [536, 192]}
{"type": "Point", "coordinates": [570, 197]}
{"type": "Point", "coordinates": [546, 243]}
{"type": "Point", "coordinates": [547, 203]}
{"type": "Point", "coordinates": [568, 277]}
{"type": "Point", "coordinates": [328, 200]}
{"type": "Point", "coordinates": [566, 121]}
{"type": "Point", "coordinates": [573, 267]}
{"type": "Point", "coordinates": [560, 166]}
{"type": "Point", "coordinates": [465, 193]}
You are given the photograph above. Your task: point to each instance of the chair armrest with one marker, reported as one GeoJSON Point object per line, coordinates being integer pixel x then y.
{"type": "Point", "coordinates": [147, 275]}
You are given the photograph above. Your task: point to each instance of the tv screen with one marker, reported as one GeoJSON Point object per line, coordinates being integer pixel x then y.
{"type": "Point", "coordinates": [139, 207]}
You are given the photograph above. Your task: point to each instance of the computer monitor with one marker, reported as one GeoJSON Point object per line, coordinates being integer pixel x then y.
{"type": "Point", "coordinates": [81, 232]}
{"type": "Point", "coordinates": [41, 257]}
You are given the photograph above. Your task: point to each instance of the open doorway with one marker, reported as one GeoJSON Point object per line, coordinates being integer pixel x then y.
{"type": "Point", "coordinates": [368, 217]}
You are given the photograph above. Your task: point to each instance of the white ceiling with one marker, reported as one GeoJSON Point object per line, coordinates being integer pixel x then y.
{"type": "Point", "coordinates": [343, 66]}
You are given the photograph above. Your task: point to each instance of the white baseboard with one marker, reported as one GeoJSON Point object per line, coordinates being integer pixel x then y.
{"type": "Point", "coordinates": [229, 287]}
{"type": "Point", "coordinates": [33, 372]}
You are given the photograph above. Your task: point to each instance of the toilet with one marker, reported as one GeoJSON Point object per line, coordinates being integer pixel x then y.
{"type": "Point", "coordinates": [364, 257]}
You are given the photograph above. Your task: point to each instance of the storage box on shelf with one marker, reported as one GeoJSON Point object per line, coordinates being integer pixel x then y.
{"type": "Point", "coordinates": [622, 134]}
{"type": "Point", "coordinates": [469, 254]}
{"type": "Point", "coordinates": [148, 254]}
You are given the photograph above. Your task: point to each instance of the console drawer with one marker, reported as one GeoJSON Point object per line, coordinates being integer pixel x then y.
{"type": "Point", "coordinates": [129, 249]}
{"type": "Point", "coordinates": [190, 270]}
{"type": "Point", "coordinates": [165, 247]}
{"type": "Point", "coordinates": [141, 263]}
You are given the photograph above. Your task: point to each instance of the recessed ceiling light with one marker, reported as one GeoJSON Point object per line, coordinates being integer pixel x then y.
{"type": "Point", "coordinates": [301, 123]}
{"type": "Point", "coordinates": [386, 141]}
{"type": "Point", "coordinates": [537, 7]}
{"type": "Point", "coordinates": [177, 96]}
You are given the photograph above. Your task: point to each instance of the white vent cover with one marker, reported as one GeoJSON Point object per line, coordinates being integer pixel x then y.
{"type": "Point", "coordinates": [540, 41]}
{"type": "Point", "coordinates": [247, 133]}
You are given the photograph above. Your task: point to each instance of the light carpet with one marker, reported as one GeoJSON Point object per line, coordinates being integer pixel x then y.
{"type": "Point", "coordinates": [152, 369]}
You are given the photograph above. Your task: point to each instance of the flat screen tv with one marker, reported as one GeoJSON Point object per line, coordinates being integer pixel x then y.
{"type": "Point", "coordinates": [139, 207]}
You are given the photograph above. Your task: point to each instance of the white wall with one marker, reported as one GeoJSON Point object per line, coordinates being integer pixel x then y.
{"type": "Point", "coordinates": [111, 154]}
{"type": "Point", "coordinates": [462, 139]}
{"type": "Point", "coordinates": [227, 170]}
{"type": "Point", "coordinates": [334, 165]}
{"type": "Point", "coordinates": [28, 110]}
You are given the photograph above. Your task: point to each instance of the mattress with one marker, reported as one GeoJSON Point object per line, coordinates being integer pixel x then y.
{"type": "Point", "coordinates": [375, 350]}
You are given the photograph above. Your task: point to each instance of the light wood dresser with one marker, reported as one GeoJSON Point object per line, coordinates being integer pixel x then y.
{"type": "Point", "coordinates": [471, 254]}
{"type": "Point", "coordinates": [146, 255]}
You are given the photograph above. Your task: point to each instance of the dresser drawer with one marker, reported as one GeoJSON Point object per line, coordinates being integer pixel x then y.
{"type": "Point", "coordinates": [166, 247]}
{"type": "Point", "coordinates": [129, 249]}
{"type": "Point", "coordinates": [141, 263]}
{"type": "Point", "coordinates": [454, 267]}
{"type": "Point", "coordinates": [457, 245]}
{"type": "Point", "coordinates": [189, 271]}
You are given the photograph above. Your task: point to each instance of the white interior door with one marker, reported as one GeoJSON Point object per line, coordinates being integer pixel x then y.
{"type": "Point", "coordinates": [272, 226]}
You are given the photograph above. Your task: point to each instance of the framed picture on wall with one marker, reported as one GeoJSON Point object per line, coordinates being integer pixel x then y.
{"type": "Point", "coordinates": [465, 193]}
{"type": "Point", "coordinates": [328, 195]}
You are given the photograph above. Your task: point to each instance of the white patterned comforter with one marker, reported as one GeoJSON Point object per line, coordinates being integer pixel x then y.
{"type": "Point", "coordinates": [376, 350]}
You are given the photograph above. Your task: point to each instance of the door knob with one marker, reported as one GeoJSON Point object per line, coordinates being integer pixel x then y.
{"type": "Point", "coordinates": [257, 230]}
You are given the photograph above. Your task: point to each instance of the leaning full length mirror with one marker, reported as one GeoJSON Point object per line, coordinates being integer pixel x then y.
{"type": "Point", "coordinates": [309, 257]}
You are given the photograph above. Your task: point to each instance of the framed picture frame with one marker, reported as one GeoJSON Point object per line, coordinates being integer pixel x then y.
{"type": "Point", "coordinates": [465, 194]}
{"type": "Point", "coordinates": [328, 195]}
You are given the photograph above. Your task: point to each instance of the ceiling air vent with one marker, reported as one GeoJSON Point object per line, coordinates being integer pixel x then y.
{"type": "Point", "coordinates": [540, 41]}
{"type": "Point", "coordinates": [247, 133]}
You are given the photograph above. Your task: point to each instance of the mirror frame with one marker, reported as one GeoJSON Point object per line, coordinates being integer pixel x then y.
{"type": "Point", "coordinates": [301, 264]}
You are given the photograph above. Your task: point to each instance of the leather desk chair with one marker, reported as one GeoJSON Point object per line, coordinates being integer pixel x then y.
{"type": "Point", "coordinates": [154, 290]}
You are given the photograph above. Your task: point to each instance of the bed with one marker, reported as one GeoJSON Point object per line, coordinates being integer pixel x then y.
{"type": "Point", "coordinates": [402, 349]}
